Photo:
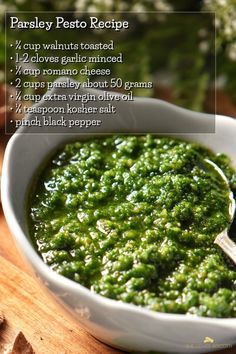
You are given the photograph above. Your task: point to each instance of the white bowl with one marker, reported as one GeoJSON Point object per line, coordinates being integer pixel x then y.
{"type": "Point", "coordinates": [118, 324]}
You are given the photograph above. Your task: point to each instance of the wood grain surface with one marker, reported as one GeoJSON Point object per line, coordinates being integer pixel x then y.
{"type": "Point", "coordinates": [28, 308]}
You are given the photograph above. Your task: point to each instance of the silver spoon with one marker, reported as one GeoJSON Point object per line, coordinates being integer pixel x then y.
{"type": "Point", "coordinates": [223, 240]}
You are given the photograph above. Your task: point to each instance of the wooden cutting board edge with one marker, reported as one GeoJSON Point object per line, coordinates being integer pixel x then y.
{"type": "Point", "coordinates": [46, 325]}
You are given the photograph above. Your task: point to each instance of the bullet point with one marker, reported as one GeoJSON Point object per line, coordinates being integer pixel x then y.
{"type": "Point", "coordinates": [11, 121]}
{"type": "Point", "coordinates": [11, 45]}
{"type": "Point", "coordinates": [11, 83]}
{"type": "Point", "coordinates": [11, 70]}
{"type": "Point", "coordinates": [12, 96]}
{"type": "Point", "coordinates": [11, 58]}
{"type": "Point", "coordinates": [11, 109]}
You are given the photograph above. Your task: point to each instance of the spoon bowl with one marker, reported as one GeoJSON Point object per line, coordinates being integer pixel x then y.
{"type": "Point", "coordinates": [223, 240]}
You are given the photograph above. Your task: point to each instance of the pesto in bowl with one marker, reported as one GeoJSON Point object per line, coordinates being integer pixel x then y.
{"type": "Point", "coordinates": [134, 218]}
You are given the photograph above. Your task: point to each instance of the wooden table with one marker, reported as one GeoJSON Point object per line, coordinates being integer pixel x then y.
{"type": "Point", "coordinates": [29, 309]}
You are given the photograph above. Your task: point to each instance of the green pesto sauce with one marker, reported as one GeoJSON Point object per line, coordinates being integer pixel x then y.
{"type": "Point", "coordinates": [134, 218]}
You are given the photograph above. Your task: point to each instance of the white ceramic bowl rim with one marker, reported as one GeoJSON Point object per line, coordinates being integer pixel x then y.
{"type": "Point", "coordinates": [36, 260]}
{"type": "Point", "coordinates": [140, 107]}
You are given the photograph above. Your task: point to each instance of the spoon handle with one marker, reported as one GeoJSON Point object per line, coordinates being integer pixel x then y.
{"type": "Point", "coordinates": [226, 244]}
